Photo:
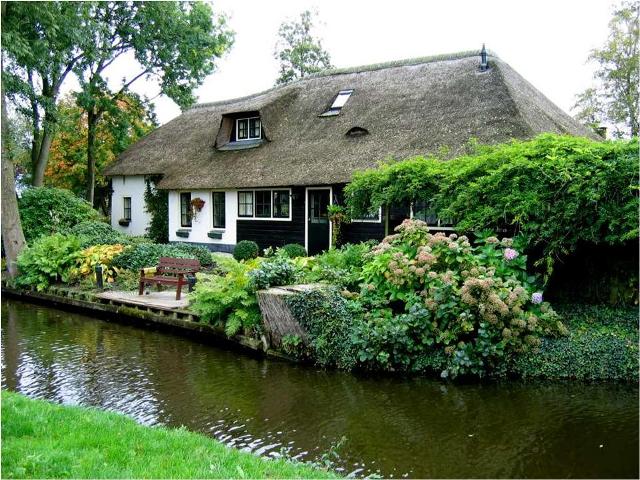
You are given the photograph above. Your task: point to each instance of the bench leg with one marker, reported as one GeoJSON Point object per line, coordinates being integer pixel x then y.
{"type": "Point", "coordinates": [179, 291]}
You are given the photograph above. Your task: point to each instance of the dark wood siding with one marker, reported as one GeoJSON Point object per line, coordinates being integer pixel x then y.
{"type": "Point", "coordinates": [269, 233]}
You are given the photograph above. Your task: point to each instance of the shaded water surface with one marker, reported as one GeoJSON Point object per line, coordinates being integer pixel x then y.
{"type": "Point", "coordinates": [399, 427]}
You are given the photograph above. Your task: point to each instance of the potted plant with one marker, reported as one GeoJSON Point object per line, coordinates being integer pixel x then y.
{"type": "Point", "coordinates": [124, 222]}
{"type": "Point", "coordinates": [182, 233]}
{"type": "Point", "coordinates": [215, 234]}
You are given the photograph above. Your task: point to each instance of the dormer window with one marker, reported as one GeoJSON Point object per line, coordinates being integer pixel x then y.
{"type": "Point", "coordinates": [248, 129]}
{"type": "Point", "coordinates": [338, 103]}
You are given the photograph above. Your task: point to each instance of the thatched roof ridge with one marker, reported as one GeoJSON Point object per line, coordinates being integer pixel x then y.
{"type": "Point", "coordinates": [410, 107]}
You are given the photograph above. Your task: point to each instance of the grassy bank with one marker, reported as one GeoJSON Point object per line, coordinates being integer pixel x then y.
{"type": "Point", "coordinates": [44, 440]}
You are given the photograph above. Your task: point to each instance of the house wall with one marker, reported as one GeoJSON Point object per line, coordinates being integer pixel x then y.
{"type": "Point", "coordinates": [203, 222]}
{"type": "Point", "coordinates": [129, 186]}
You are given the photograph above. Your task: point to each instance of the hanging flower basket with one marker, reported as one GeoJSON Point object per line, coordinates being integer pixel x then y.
{"type": "Point", "coordinates": [197, 204]}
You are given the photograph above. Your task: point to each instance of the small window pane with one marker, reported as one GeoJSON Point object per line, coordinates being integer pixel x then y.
{"type": "Point", "coordinates": [245, 204]}
{"type": "Point", "coordinates": [341, 99]}
{"type": "Point", "coordinates": [218, 210]}
{"type": "Point", "coordinates": [242, 129]}
{"type": "Point", "coordinates": [263, 203]}
{"type": "Point", "coordinates": [281, 203]}
{"type": "Point", "coordinates": [126, 201]}
{"type": "Point", "coordinates": [185, 209]}
{"type": "Point", "coordinates": [254, 128]}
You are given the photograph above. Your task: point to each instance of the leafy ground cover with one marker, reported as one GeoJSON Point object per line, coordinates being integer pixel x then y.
{"type": "Point", "coordinates": [44, 440]}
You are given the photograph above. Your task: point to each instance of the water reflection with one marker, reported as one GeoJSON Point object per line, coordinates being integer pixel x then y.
{"type": "Point", "coordinates": [399, 427]}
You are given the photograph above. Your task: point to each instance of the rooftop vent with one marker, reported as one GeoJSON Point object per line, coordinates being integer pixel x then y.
{"type": "Point", "coordinates": [357, 132]}
{"type": "Point", "coordinates": [484, 63]}
{"type": "Point", "coordinates": [338, 103]}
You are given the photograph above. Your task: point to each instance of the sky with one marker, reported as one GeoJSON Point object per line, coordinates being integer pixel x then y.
{"type": "Point", "coordinates": [546, 41]}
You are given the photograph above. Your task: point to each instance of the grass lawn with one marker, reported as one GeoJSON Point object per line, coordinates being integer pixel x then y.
{"type": "Point", "coordinates": [45, 440]}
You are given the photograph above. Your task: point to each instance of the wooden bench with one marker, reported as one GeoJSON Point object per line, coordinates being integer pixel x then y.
{"type": "Point", "coordinates": [170, 271]}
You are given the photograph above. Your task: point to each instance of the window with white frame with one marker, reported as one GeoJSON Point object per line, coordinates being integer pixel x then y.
{"type": "Point", "coordinates": [248, 129]}
{"type": "Point", "coordinates": [423, 210]}
{"type": "Point", "coordinates": [375, 217]}
{"type": "Point", "coordinates": [265, 204]}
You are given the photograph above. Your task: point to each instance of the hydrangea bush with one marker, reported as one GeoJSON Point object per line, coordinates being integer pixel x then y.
{"type": "Point", "coordinates": [424, 291]}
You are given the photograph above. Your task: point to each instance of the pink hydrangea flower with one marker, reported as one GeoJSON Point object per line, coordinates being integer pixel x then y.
{"type": "Point", "coordinates": [510, 254]}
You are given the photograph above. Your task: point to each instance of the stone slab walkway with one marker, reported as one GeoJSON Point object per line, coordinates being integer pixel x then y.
{"type": "Point", "coordinates": [160, 300]}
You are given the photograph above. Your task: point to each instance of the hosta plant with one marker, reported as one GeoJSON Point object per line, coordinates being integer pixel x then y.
{"type": "Point", "coordinates": [91, 257]}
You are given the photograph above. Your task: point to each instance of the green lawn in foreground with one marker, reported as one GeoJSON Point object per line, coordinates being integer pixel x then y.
{"type": "Point", "coordinates": [40, 439]}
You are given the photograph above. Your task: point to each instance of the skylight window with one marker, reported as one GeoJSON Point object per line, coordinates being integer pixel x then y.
{"type": "Point", "coordinates": [338, 103]}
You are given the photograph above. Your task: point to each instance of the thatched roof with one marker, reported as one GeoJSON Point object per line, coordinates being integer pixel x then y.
{"type": "Point", "coordinates": [413, 107]}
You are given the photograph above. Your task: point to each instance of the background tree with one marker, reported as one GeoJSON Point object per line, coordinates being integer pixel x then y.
{"type": "Point", "coordinates": [614, 98]}
{"type": "Point", "coordinates": [299, 52]}
{"type": "Point", "coordinates": [175, 43]}
{"type": "Point", "coordinates": [132, 119]}
{"type": "Point", "coordinates": [41, 43]}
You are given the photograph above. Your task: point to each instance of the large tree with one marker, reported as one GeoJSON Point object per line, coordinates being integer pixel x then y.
{"type": "Point", "coordinates": [299, 52]}
{"type": "Point", "coordinates": [41, 43]}
{"type": "Point", "coordinates": [12, 235]}
{"type": "Point", "coordinates": [119, 128]}
{"type": "Point", "coordinates": [614, 97]}
{"type": "Point", "coordinates": [174, 43]}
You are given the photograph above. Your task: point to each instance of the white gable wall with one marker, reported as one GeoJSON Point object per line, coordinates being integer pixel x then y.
{"type": "Point", "coordinates": [129, 186]}
{"type": "Point", "coordinates": [203, 222]}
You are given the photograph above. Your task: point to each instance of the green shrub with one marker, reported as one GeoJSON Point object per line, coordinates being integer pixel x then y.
{"type": "Point", "coordinates": [203, 254]}
{"type": "Point", "coordinates": [602, 345]}
{"type": "Point", "coordinates": [331, 322]}
{"type": "Point", "coordinates": [96, 233]}
{"type": "Point", "coordinates": [126, 280]}
{"type": "Point", "coordinates": [145, 255]}
{"type": "Point", "coordinates": [557, 191]}
{"type": "Point", "coordinates": [274, 272]}
{"type": "Point", "coordinates": [294, 250]}
{"type": "Point", "coordinates": [49, 260]}
{"type": "Point", "coordinates": [339, 266]}
{"type": "Point", "coordinates": [157, 205]}
{"type": "Point", "coordinates": [45, 210]}
{"type": "Point", "coordinates": [227, 299]}
{"type": "Point", "coordinates": [245, 250]}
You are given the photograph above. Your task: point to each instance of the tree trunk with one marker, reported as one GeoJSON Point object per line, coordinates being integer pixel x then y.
{"type": "Point", "coordinates": [43, 155]}
{"type": "Point", "coordinates": [92, 122]}
{"type": "Point", "coordinates": [12, 236]}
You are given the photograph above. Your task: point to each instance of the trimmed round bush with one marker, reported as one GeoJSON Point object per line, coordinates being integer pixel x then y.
{"type": "Point", "coordinates": [96, 233]}
{"type": "Point", "coordinates": [245, 250]}
{"type": "Point", "coordinates": [146, 255]}
{"type": "Point", "coordinates": [45, 210]}
{"type": "Point", "coordinates": [201, 253]}
{"type": "Point", "coordinates": [294, 250]}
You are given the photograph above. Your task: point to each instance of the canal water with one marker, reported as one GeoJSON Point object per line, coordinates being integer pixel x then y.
{"type": "Point", "coordinates": [396, 427]}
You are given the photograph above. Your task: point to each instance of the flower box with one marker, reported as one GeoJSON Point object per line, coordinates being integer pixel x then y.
{"type": "Point", "coordinates": [216, 235]}
{"type": "Point", "coordinates": [124, 222]}
{"type": "Point", "coordinates": [182, 233]}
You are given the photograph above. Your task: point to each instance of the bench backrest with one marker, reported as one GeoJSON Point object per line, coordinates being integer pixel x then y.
{"type": "Point", "coordinates": [174, 266]}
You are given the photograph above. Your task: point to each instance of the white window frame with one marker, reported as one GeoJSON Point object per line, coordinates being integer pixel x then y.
{"type": "Point", "coordinates": [430, 225]}
{"type": "Point", "coordinates": [271, 218]}
{"type": "Point", "coordinates": [249, 137]}
{"type": "Point", "coordinates": [369, 220]}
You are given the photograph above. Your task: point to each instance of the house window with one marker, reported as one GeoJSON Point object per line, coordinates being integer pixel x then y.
{"type": "Point", "coordinates": [338, 103]}
{"type": "Point", "coordinates": [218, 209]}
{"type": "Point", "coordinates": [263, 203]}
{"type": "Point", "coordinates": [422, 210]}
{"type": "Point", "coordinates": [245, 204]}
{"type": "Point", "coordinates": [185, 209]}
{"type": "Point", "coordinates": [126, 202]}
{"type": "Point", "coordinates": [248, 128]}
{"type": "Point", "coordinates": [370, 217]}
{"type": "Point", "coordinates": [281, 203]}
